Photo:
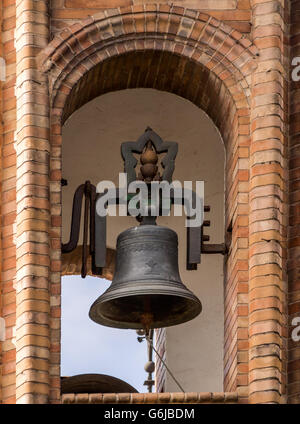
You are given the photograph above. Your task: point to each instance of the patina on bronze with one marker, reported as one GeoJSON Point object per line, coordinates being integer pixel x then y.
{"type": "Point", "coordinates": [146, 291]}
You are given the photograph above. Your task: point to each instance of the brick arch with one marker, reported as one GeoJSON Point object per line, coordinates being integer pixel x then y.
{"type": "Point", "coordinates": [139, 69]}
{"type": "Point", "coordinates": [196, 36]}
{"type": "Point", "coordinates": [212, 65]}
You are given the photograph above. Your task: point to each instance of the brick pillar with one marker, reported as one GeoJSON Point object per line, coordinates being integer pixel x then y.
{"type": "Point", "coordinates": [267, 230]}
{"type": "Point", "coordinates": [8, 204]}
{"type": "Point", "coordinates": [32, 286]}
{"type": "Point", "coordinates": [1, 141]}
{"type": "Point", "coordinates": [294, 211]}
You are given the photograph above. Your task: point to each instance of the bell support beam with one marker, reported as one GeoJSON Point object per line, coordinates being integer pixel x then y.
{"type": "Point", "coordinates": [148, 146]}
{"type": "Point", "coordinates": [97, 231]}
{"type": "Point", "coordinates": [195, 237]}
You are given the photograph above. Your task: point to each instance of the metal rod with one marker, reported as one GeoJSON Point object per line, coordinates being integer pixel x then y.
{"type": "Point", "coordinates": [92, 193]}
{"type": "Point", "coordinates": [150, 359]}
{"type": "Point", "coordinates": [85, 230]}
{"type": "Point", "coordinates": [169, 371]}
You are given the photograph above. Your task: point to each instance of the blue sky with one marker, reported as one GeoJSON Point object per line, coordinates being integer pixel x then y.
{"type": "Point", "coordinates": [88, 347]}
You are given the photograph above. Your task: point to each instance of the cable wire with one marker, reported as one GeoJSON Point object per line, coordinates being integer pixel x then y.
{"type": "Point", "coordinates": [164, 363]}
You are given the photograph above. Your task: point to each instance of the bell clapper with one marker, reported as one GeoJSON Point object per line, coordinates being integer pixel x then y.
{"type": "Point", "coordinates": [146, 321]}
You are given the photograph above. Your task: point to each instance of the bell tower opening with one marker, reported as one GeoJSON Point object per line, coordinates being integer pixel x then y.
{"type": "Point", "coordinates": [90, 349]}
{"type": "Point", "coordinates": [91, 151]}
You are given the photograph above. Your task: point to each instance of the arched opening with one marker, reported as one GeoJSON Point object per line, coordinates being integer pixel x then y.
{"type": "Point", "coordinates": [209, 80]}
{"type": "Point", "coordinates": [91, 150]}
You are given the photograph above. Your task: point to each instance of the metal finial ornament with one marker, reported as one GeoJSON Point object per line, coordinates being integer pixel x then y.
{"type": "Point", "coordinates": [149, 169]}
{"type": "Point", "coordinates": [128, 149]}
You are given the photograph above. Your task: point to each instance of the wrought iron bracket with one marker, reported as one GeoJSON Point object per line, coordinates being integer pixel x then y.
{"type": "Point", "coordinates": [91, 222]}
{"type": "Point", "coordinates": [94, 230]}
{"type": "Point", "coordinates": [211, 249]}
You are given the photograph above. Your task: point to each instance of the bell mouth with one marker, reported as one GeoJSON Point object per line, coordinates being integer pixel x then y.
{"type": "Point", "coordinates": [144, 310]}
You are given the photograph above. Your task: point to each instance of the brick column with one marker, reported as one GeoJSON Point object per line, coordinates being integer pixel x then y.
{"type": "Point", "coordinates": [294, 211]}
{"type": "Point", "coordinates": [8, 204]}
{"type": "Point", "coordinates": [267, 230]}
{"type": "Point", "coordinates": [32, 286]}
{"type": "Point", "coordinates": [1, 141]}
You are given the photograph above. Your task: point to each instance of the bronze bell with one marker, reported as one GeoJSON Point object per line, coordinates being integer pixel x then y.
{"type": "Point", "coordinates": [146, 291]}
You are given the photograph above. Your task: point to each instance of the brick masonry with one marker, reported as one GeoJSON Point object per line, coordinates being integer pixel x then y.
{"type": "Point", "coordinates": [169, 398]}
{"type": "Point", "coordinates": [236, 13]}
{"type": "Point", "coordinates": [33, 347]}
{"type": "Point", "coordinates": [267, 200]}
{"type": "Point", "coordinates": [230, 52]}
{"type": "Point", "coordinates": [293, 267]}
{"type": "Point", "coordinates": [201, 43]}
{"type": "Point", "coordinates": [8, 201]}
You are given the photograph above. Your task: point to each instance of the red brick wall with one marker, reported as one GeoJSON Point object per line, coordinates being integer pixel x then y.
{"type": "Point", "coordinates": [154, 398]}
{"type": "Point", "coordinates": [8, 201]}
{"type": "Point", "coordinates": [1, 141]}
{"type": "Point", "coordinates": [209, 63]}
{"type": "Point", "coordinates": [294, 211]}
{"type": "Point", "coordinates": [268, 206]}
{"type": "Point", "coordinates": [224, 46]}
{"type": "Point", "coordinates": [33, 301]}
{"type": "Point", "coordinates": [236, 13]}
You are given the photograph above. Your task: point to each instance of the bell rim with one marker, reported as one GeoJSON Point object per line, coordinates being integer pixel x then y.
{"type": "Point", "coordinates": [102, 320]}
{"type": "Point", "coordinates": [162, 286]}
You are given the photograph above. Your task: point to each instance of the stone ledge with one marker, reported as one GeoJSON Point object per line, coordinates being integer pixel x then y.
{"type": "Point", "coordinates": [203, 397]}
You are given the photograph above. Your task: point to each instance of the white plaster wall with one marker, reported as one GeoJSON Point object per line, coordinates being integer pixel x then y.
{"type": "Point", "coordinates": [91, 150]}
